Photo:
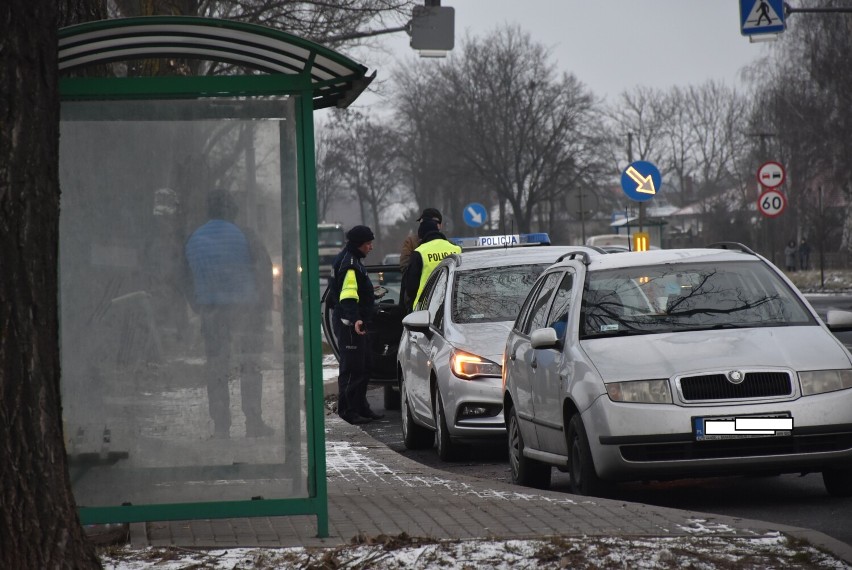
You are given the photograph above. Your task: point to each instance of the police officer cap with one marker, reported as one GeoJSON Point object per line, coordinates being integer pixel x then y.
{"type": "Point", "coordinates": [431, 213]}
{"type": "Point", "coordinates": [427, 227]}
{"type": "Point", "coordinates": [359, 235]}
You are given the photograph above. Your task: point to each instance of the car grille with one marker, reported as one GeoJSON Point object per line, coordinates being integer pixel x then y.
{"type": "Point", "coordinates": [751, 447]}
{"type": "Point", "coordinates": [717, 386]}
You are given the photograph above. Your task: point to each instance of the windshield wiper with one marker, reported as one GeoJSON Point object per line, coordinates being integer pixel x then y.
{"type": "Point", "coordinates": [619, 332]}
{"type": "Point", "coordinates": [717, 326]}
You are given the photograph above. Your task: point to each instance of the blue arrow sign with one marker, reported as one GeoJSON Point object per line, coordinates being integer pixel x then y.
{"type": "Point", "coordinates": [475, 214]}
{"type": "Point", "coordinates": [761, 17]}
{"type": "Point", "coordinates": [641, 181]}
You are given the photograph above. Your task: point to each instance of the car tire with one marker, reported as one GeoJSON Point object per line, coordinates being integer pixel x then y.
{"type": "Point", "coordinates": [584, 478]}
{"type": "Point", "coordinates": [446, 448]}
{"type": "Point", "coordinates": [392, 397]}
{"type": "Point", "coordinates": [838, 482]}
{"type": "Point", "coordinates": [413, 435]}
{"type": "Point", "coordinates": [525, 471]}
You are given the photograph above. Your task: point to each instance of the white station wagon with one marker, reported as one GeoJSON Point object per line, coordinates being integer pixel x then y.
{"type": "Point", "coordinates": [668, 364]}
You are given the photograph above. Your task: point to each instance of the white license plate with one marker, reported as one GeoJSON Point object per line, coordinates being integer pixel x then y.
{"type": "Point", "coordinates": [742, 427]}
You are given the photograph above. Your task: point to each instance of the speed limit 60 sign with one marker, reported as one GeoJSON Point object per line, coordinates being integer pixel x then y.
{"type": "Point", "coordinates": [771, 203]}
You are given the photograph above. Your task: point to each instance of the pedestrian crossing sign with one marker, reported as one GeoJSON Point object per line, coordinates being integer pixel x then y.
{"type": "Point", "coordinates": [761, 17]}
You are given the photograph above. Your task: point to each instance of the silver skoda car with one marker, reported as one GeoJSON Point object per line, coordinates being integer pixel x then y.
{"type": "Point", "coordinates": [675, 363]}
{"type": "Point", "coordinates": [449, 359]}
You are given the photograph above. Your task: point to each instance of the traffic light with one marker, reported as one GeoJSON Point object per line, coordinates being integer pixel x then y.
{"type": "Point", "coordinates": [641, 241]}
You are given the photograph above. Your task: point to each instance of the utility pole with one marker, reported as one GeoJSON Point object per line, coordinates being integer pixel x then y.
{"type": "Point", "coordinates": [629, 162]}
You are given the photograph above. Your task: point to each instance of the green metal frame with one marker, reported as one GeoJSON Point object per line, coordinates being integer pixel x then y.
{"type": "Point", "coordinates": [316, 77]}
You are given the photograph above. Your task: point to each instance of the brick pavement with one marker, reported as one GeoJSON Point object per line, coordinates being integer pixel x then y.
{"type": "Point", "coordinates": [373, 490]}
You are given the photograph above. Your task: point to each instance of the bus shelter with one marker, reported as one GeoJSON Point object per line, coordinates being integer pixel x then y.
{"type": "Point", "coordinates": [192, 369]}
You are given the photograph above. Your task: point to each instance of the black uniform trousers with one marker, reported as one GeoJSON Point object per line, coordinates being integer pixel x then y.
{"type": "Point", "coordinates": [353, 379]}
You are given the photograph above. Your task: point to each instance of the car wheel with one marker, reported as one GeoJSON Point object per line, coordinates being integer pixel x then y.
{"type": "Point", "coordinates": [525, 471]}
{"type": "Point", "coordinates": [838, 482]}
{"type": "Point", "coordinates": [446, 448]}
{"type": "Point", "coordinates": [413, 435]}
{"type": "Point", "coordinates": [584, 478]}
{"type": "Point", "coordinates": [392, 397]}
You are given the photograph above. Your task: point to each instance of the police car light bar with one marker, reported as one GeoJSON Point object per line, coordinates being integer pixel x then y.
{"type": "Point", "coordinates": [513, 240]}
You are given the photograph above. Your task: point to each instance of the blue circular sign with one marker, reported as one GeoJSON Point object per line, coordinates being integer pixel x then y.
{"type": "Point", "coordinates": [641, 181]}
{"type": "Point", "coordinates": [474, 214]}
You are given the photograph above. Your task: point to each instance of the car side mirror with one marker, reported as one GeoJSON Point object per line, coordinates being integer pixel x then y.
{"type": "Point", "coordinates": [838, 320]}
{"type": "Point", "coordinates": [544, 338]}
{"type": "Point", "coordinates": [418, 320]}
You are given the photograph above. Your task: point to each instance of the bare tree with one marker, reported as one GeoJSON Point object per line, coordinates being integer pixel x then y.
{"type": "Point", "coordinates": [331, 185]}
{"type": "Point", "coordinates": [505, 117]}
{"type": "Point", "coordinates": [642, 113]}
{"type": "Point", "coordinates": [424, 162]}
{"type": "Point", "coordinates": [328, 23]}
{"type": "Point", "coordinates": [710, 124]}
{"type": "Point", "coordinates": [39, 519]}
{"type": "Point", "coordinates": [807, 102]}
{"type": "Point", "coordinates": [678, 150]}
{"type": "Point", "coordinates": [364, 153]}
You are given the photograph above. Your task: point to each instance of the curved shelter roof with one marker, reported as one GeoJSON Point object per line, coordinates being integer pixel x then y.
{"type": "Point", "coordinates": [334, 79]}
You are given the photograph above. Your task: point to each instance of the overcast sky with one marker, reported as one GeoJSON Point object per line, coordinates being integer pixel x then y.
{"type": "Point", "coordinates": [612, 45]}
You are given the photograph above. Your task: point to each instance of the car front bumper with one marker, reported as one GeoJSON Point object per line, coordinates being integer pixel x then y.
{"type": "Point", "coordinates": [649, 441]}
{"type": "Point", "coordinates": [485, 393]}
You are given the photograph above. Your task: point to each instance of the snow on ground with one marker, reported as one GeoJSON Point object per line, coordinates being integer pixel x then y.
{"type": "Point", "coordinates": [706, 546]}
{"type": "Point", "coordinates": [704, 552]}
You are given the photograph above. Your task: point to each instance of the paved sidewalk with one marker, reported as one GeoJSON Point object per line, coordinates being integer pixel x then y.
{"type": "Point", "coordinates": [373, 490]}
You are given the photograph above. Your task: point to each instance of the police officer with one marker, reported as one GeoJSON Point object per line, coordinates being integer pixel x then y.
{"type": "Point", "coordinates": [433, 249]}
{"type": "Point", "coordinates": [412, 242]}
{"type": "Point", "coordinates": [353, 311]}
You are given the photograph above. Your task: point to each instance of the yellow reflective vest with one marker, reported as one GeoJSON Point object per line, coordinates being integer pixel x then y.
{"type": "Point", "coordinates": [432, 252]}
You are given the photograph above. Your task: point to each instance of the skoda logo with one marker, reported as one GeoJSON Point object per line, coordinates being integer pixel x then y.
{"type": "Point", "coordinates": [736, 377]}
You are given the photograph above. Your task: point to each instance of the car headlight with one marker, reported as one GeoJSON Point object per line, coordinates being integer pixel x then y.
{"type": "Point", "coordinates": [640, 391]}
{"type": "Point", "coordinates": [467, 366]}
{"type": "Point", "coordinates": [820, 381]}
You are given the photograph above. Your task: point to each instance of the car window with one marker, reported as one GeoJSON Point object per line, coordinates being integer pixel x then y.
{"type": "Point", "coordinates": [492, 294]}
{"type": "Point", "coordinates": [436, 299]}
{"type": "Point", "coordinates": [423, 302]}
{"type": "Point", "coordinates": [688, 296]}
{"type": "Point", "coordinates": [558, 318]}
{"type": "Point", "coordinates": [388, 277]}
{"type": "Point", "coordinates": [538, 313]}
{"type": "Point", "coordinates": [523, 314]}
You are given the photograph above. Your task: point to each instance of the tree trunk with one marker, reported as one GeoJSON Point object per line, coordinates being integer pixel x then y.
{"type": "Point", "coordinates": [39, 526]}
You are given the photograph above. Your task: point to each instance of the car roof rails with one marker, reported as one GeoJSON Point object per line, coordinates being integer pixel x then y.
{"type": "Point", "coordinates": [584, 255]}
{"type": "Point", "coordinates": [731, 245]}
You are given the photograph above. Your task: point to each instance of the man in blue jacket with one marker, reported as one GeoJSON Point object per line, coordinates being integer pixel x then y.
{"type": "Point", "coordinates": [353, 291]}
{"type": "Point", "coordinates": [231, 275]}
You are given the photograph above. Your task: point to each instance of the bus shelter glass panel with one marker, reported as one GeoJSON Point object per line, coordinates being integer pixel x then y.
{"type": "Point", "coordinates": [181, 381]}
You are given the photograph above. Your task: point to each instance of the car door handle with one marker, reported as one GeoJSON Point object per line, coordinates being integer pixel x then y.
{"type": "Point", "coordinates": [534, 363]}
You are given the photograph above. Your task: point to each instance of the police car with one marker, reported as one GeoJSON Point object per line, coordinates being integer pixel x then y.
{"type": "Point", "coordinates": [675, 363]}
{"type": "Point", "coordinates": [449, 361]}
